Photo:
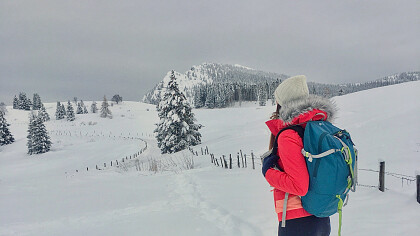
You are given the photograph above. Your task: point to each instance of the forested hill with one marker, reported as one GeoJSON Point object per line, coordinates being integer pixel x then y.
{"type": "Point", "coordinates": [212, 74]}
{"type": "Point", "coordinates": [212, 85]}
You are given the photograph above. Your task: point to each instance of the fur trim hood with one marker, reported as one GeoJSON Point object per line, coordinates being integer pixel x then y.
{"type": "Point", "coordinates": [300, 106]}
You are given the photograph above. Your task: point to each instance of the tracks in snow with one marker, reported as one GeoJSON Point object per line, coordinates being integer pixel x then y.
{"type": "Point", "coordinates": [190, 194]}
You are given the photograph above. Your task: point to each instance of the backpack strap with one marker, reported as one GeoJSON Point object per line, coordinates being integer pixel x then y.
{"type": "Point", "coordinates": [299, 129]}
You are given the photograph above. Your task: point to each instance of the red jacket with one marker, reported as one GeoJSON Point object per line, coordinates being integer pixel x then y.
{"type": "Point", "coordinates": [294, 179]}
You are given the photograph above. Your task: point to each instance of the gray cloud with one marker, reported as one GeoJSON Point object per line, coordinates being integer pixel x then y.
{"type": "Point", "coordinates": [62, 49]}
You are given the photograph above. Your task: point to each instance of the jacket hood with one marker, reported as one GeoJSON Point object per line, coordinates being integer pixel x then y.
{"type": "Point", "coordinates": [294, 108]}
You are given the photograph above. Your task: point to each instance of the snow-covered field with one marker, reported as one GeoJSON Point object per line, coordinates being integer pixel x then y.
{"type": "Point", "coordinates": [44, 195]}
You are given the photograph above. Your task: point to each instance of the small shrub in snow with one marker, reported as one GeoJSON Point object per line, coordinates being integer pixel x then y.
{"type": "Point", "coordinates": [92, 123]}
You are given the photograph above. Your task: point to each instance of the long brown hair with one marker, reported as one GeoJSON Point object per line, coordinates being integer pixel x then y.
{"type": "Point", "coordinates": [272, 137]}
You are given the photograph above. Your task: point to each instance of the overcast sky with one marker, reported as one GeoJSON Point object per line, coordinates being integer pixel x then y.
{"type": "Point", "coordinates": [87, 48]}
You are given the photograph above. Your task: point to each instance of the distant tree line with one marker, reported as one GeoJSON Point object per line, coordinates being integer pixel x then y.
{"type": "Point", "coordinates": [229, 85]}
{"type": "Point", "coordinates": [220, 95]}
{"type": "Point", "coordinates": [225, 94]}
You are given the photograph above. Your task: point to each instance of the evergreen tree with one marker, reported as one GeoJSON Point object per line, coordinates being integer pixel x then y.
{"type": "Point", "coordinates": [210, 98]}
{"type": "Point", "coordinates": [85, 111]}
{"type": "Point", "coordinates": [15, 103]}
{"type": "Point", "coordinates": [176, 129]}
{"type": "Point", "coordinates": [29, 101]}
{"type": "Point", "coordinates": [93, 107]}
{"type": "Point", "coordinates": [24, 103]}
{"type": "Point", "coordinates": [105, 112]}
{"type": "Point", "coordinates": [63, 110]}
{"type": "Point", "coordinates": [5, 136]}
{"type": "Point", "coordinates": [38, 139]}
{"type": "Point", "coordinates": [43, 114]}
{"type": "Point", "coordinates": [59, 112]}
{"type": "Point", "coordinates": [116, 98]}
{"type": "Point", "coordinates": [36, 102]}
{"type": "Point", "coordinates": [31, 128]}
{"type": "Point", "coordinates": [79, 109]}
{"type": "Point", "coordinates": [70, 112]}
{"type": "Point", "coordinates": [262, 95]}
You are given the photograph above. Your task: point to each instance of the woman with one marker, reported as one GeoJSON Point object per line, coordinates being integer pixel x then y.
{"type": "Point", "coordinates": [295, 107]}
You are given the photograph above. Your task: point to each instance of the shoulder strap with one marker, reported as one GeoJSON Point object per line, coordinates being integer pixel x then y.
{"type": "Point", "coordinates": [299, 129]}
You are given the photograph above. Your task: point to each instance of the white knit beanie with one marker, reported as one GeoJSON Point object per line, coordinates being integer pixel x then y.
{"type": "Point", "coordinates": [291, 89]}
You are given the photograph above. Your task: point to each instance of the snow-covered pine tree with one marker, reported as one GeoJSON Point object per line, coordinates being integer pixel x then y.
{"type": "Point", "coordinates": [29, 104]}
{"type": "Point", "coordinates": [116, 98]}
{"type": "Point", "coordinates": [24, 103]}
{"type": "Point", "coordinates": [79, 109]}
{"type": "Point", "coordinates": [36, 102]}
{"type": "Point", "coordinates": [105, 112]}
{"type": "Point", "coordinates": [93, 107]}
{"type": "Point", "coordinates": [5, 136]}
{"type": "Point", "coordinates": [63, 110]}
{"type": "Point", "coordinates": [31, 129]}
{"type": "Point", "coordinates": [70, 112]}
{"type": "Point", "coordinates": [38, 139]}
{"type": "Point", "coordinates": [262, 95]}
{"type": "Point", "coordinates": [15, 103]}
{"type": "Point", "coordinates": [43, 114]}
{"type": "Point", "coordinates": [176, 129]}
{"type": "Point", "coordinates": [59, 113]}
{"type": "Point", "coordinates": [211, 97]}
{"type": "Point", "coordinates": [84, 110]}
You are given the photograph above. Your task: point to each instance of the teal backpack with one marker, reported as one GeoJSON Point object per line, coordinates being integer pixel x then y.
{"type": "Point", "coordinates": [331, 159]}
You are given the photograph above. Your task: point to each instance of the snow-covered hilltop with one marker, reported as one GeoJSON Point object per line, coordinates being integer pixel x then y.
{"type": "Point", "coordinates": [208, 73]}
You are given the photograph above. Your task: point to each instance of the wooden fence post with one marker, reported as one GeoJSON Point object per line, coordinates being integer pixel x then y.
{"type": "Point", "coordinates": [253, 164]}
{"type": "Point", "coordinates": [221, 162]}
{"type": "Point", "coordinates": [202, 153]}
{"type": "Point", "coordinates": [239, 165]}
{"type": "Point", "coordinates": [224, 160]}
{"type": "Point", "coordinates": [245, 161]}
{"type": "Point", "coordinates": [418, 188]}
{"type": "Point", "coordinates": [382, 176]}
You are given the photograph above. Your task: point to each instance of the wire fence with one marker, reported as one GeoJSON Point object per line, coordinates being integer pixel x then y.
{"type": "Point", "coordinates": [243, 160]}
